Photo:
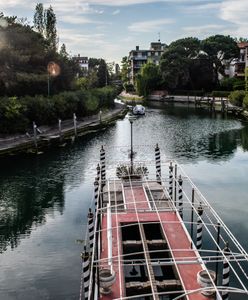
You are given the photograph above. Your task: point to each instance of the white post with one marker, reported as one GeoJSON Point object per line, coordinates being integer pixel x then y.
{"type": "Point", "coordinates": [35, 134]}
{"type": "Point", "coordinates": [60, 130]}
{"type": "Point", "coordinates": [109, 237]}
{"type": "Point", "coordinates": [75, 123]}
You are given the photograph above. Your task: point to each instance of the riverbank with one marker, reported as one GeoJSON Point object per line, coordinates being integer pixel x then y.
{"type": "Point", "coordinates": [51, 135]}
{"type": "Point", "coordinates": [129, 98]}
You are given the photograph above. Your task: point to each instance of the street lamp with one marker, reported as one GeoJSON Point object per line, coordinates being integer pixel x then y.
{"type": "Point", "coordinates": [131, 154]}
{"type": "Point", "coordinates": [53, 70]}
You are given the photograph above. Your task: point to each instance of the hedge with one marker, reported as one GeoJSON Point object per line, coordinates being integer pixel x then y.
{"type": "Point", "coordinates": [17, 114]}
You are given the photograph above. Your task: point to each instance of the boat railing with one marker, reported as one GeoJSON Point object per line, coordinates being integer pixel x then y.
{"type": "Point", "coordinates": [212, 241]}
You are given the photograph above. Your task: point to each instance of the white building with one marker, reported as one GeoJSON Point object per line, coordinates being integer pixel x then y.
{"type": "Point", "coordinates": [137, 58]}
{"type": "Point", "coordinates": [83, 62]}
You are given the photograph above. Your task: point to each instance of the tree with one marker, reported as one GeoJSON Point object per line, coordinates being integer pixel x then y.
{"type": "Point", "coordinates": [110, 68]}
{"type": "Point", "coordinates": [63, 53]}
{"type": "Point", "coordinates": [124, 70]}
{"type": "Point", "coordinates": [93, 63]}
{"type": "Point", "coordinates": [241, 40]}
{"type": "Point", "coordinates": [220, 48]}
{"type": "Point", "coordinates": [24, 59]}
{"type": "Point", "coordinates": [148, 79]}
{"type": "Point", "coordinates": [176, 61]}
{"type": "Point", "coordinates": [39, 18]}
{"type": "Point", "coordinates": [102, 74]}
{"type": "Point", "coordinates": [50, 28]}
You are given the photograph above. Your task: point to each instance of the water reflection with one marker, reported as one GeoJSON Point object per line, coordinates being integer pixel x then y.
{"type": "Point", "coordinates": [30, 188]}
{"type": "Point", "coordinates": [26, 198]}
{"type": "Point", "coordinates": [46, 198]}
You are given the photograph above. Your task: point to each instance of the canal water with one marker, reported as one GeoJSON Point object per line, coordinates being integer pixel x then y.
{"type": "Point", "coordinates": [44, 200]}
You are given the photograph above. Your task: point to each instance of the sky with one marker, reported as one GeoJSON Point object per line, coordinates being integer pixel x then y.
{"type": "Point", "coordinates": [109, 29]}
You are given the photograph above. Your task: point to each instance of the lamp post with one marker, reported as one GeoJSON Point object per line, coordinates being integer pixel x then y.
{"type": "Point", "coordinates": [48, 84]}
{"type": "Point", "coordinates": [53, 70]}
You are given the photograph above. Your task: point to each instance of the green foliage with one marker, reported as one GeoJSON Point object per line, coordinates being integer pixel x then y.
{"type": "Point", "coordinates": [125, 170]}
{"type": "Point", "coordinates": [102, 74]}
{"type": "Point", "coordinates": [193, 64]}
{"type": "Point", "coordinates": [223, 94]}
{"type": "Point", "coordinates": [245, 102]}
{"type": "Point", "coordinates": [231, 84]}
{"type": "Point", "coordinates": [148, 80]}
{"type": "Point", "coordinates": [50, 28]}
{"type": "Point", "coordinates": [63, 53]}
{"type": "Point", "coordinates": [45, 25]}
{"type": "Point", "coordinates": [24, 56]}
{"type": "Point", "coordinates": [98, 74]}
{"type": "Point", "coordinates": [176, 61]}
{"type": "Point", "coordinates": [39, 18]}
{"type": "Point", "coordinates": [241, 40]}
{"type": "Point", "coordinates": [237, 97]}
{"type": "Point", "coordinates": [124, 70]}
{"type": "Point", "coordinates": [12, 115]}
{"type": "Point", "coordinates": [239, 85]}
{"type": "Point", "coordinates": [39, 109]}
{"type": "Point", "coordinates": [81, 83]}
{"type": "Point", "coordinates": [219, 48]}
{"type": "Point", "coordinates": [128, 87]}
{"type": "Point", "coordinates": [17, 114]}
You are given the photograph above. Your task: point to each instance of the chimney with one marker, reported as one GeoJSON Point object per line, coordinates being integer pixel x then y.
{"type": "Point", "coordinates": [137, 48]}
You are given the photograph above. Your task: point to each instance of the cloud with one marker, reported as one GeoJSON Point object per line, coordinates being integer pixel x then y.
{"type": "Point", "coordinates": [83, 3]}
{"type": "Point", "coordinates": [235, 12]}
{"type": "Point", "coordinates": [204, 30]}
{"type": "Point", "coordinates": [116, 12]}
{"type": "Point", "coordinates": [202, 7]}
{"type": "Point", "coordinates": [73, 38]}
{"type": "Point", "coordinates": [149, 26]}
{"type": "Point", "coordinates": [92, 45]}
{"type": "Point", "coordinates": [133, 2]}
{"type": "Point", "coordinates": [78, 20]}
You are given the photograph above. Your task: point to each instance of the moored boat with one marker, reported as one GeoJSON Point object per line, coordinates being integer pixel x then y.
{"type": "Point", "coordinates": [158, 238]}
{"type": "Point", "coordinates": [139, 109]}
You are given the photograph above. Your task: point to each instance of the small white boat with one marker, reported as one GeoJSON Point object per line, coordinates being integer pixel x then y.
{"type": "Point", "coordinates": [139, 110]}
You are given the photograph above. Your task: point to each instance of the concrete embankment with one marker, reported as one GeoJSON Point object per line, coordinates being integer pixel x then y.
{"type": "Point", "coordinates": [220, 104]}
{"type": "Point", "coordinates": [51, 136]}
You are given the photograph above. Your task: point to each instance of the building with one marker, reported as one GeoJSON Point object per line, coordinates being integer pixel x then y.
{"type": "Point", "coordinates": [117, 69]}
{"type": "Point", "coordinates": [242, 61]}
{"type": "Point", "coordinates": [137, 58]}
{"type": "Point", "coordinates": [83, 62]}
{"type": "Point", "coordinates": [236, 67]}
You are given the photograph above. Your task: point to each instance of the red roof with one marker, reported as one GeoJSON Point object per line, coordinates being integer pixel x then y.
{"type": "Point", "coordinates": [242, 45]}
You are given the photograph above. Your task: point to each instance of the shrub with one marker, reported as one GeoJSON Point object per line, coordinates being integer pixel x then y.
{"type": "Point", "coordinates": [17, 114]}
{"type": "Point", "coordinates": [220, 94]}
{"type": "Point", "coordinates": [245, 102]}
{"type": "Point", "coordinates": [12, 116]}
{"type": "Point", "coordinates": [129, 87]}
{"type": "Point", "coordinates": [65, 104]}
{"type": "Point", "coordinates": [40, 109]}
{"type": "Point", "coordinates": [230, 84]}
{"type": "Point", "coordinates": [237, 97]}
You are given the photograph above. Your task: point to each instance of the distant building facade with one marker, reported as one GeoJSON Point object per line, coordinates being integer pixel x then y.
{"type": "Point", "coordinates": [242, 61]}
{"type": "Point", "coordinates": [137, 58]}
{"type": "Point", "coordinates": [83, 62]}
{"type": "Point", "coordinates": [117, 69]}
{"type": "Point", "coordinates": [236, 67]}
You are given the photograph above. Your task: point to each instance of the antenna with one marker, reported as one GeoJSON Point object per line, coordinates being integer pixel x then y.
{"type": "Point", "coordinates": [159, 36]}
